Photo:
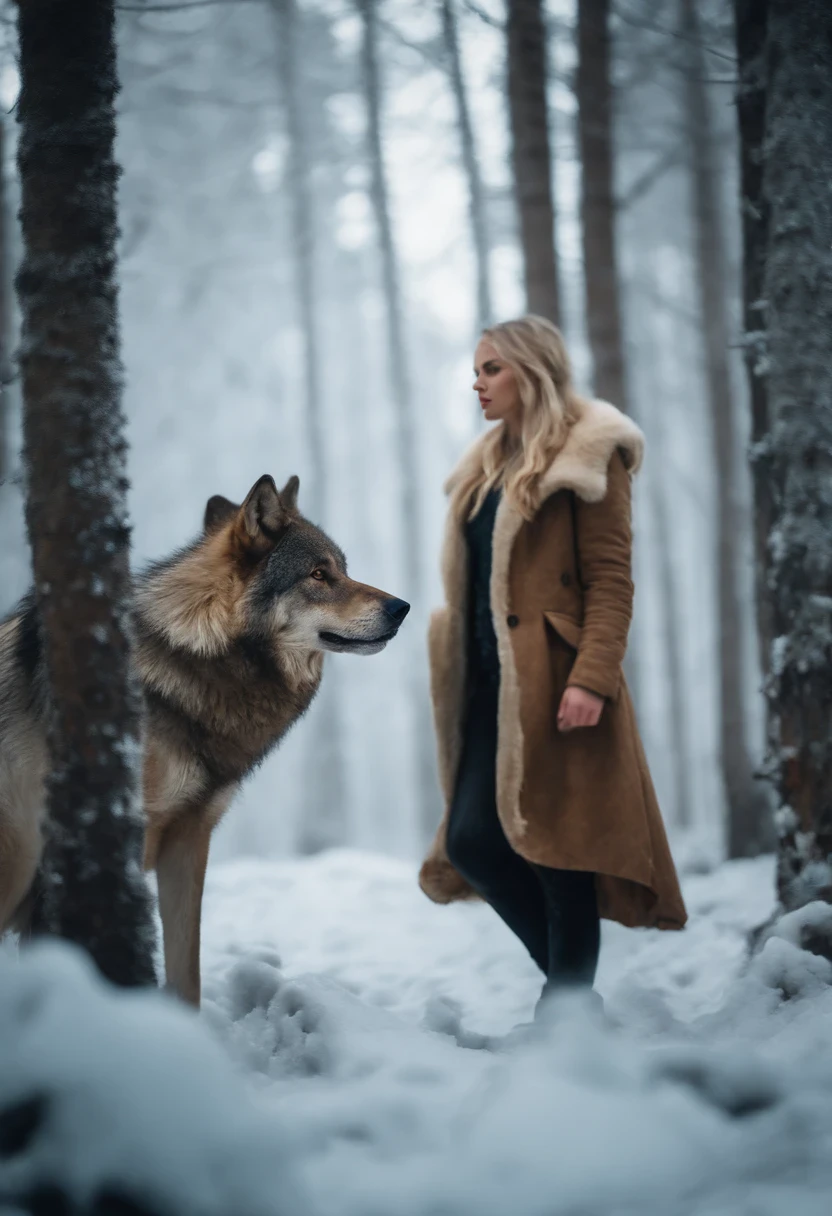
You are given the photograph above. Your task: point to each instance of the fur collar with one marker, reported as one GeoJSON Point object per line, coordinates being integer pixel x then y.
{"type": "Point", "coordinates": [581, 464]}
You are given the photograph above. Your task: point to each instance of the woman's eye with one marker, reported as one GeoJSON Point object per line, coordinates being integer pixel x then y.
{"type": "Point", "coordinates": [319, 575]}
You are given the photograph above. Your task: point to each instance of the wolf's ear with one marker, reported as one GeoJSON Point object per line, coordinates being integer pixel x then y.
{"type": "Point", "coordinates": [218, 511]}
{"type": "Point", "coordinates": [263, 515]}
{"type": "Point", "coordinates": [289, 494]}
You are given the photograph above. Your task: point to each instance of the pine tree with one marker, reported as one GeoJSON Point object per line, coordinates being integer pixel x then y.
{"type": "Point", "coordinates": [797, 291]}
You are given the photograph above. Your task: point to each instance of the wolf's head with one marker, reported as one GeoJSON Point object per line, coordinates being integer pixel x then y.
{"type": "Point", "coordinates": [262, 571]}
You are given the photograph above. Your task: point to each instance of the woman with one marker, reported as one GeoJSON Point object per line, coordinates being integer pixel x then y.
{"type": "Point", "coordinates": [551, 815]}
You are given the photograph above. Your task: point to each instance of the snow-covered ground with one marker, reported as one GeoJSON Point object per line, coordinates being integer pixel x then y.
{"type": "Point", "coordinates": [375, 1069]}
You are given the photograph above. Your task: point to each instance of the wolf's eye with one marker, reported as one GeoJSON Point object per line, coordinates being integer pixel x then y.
{"type": "Point", "coordinates": [319, 575]}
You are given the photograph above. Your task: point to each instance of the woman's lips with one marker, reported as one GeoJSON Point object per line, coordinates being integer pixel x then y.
{"type": "Point", "coordinates": [485, 400]}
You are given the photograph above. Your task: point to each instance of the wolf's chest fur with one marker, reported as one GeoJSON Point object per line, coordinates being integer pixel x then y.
{"type": "Point", "coordinates": [227, 711]}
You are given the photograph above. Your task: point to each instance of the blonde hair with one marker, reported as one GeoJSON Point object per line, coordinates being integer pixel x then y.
{"type": "Point", "coordinates": [535, 351]}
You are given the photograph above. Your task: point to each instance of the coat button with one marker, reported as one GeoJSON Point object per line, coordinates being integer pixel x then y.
{"type": "Point", "coordinates": [513, 621]}
{"type": "Point", "coordinates": [566, 579]}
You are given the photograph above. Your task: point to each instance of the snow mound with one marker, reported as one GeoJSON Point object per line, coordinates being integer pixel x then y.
{"type": "Point", "coordinates": [384, 1032]}
{"type": "Point", "coordinates": [122, 1101]}
{"type": "Point", "coordinates": [373, 1043]}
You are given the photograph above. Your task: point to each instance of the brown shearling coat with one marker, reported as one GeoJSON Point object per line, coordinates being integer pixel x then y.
{"type": "Point", "coordinates": [561, 599]}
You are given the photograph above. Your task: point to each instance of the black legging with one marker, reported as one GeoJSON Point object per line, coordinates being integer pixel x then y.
{"type": "Point", "coordinates": [553, 912]}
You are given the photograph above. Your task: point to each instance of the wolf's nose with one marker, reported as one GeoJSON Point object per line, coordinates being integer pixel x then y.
{"type": "Point", "coordinates": [397, 609]}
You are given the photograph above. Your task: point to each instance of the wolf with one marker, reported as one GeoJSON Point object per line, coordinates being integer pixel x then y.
{"type": "Point", "coordinates": [230, 634]}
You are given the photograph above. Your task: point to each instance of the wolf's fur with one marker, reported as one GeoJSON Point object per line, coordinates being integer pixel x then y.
{"type": "Point", "coordinates": [230, 635]}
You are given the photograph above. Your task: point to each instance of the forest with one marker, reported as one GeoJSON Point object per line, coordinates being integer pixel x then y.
{"type": "Point", "coordinates": [263, 237]}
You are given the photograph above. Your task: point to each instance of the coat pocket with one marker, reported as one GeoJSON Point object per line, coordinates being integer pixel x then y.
{"type": "Point", "coordinates": [567, 630]}
{"type": "Point", "coordinates": [570, 633]}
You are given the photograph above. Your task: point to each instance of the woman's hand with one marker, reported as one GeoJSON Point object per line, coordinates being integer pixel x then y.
{"type": "Point", "coordinates": [579, 707]}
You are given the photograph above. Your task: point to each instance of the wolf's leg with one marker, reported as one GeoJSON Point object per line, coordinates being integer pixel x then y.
{"type": "Point", "coordinates": [181, 857]}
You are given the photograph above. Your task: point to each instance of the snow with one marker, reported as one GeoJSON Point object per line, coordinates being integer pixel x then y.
{"type": "Point", "coordinates": [362, 1052]}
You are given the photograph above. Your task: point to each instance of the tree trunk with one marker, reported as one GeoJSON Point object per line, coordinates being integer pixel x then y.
{"type": "Point", "coordinates": [531, 155]}
{"type": "Point", "coordinates": [323, 822]}
{"type": "Point", "coordinates": [798, 295]}
{"type": "Point", "coordinates": [601, 268]}
{"type": "Point", "coordinates": [750, 28]}
{"type": "Point", "coordinates": [406, 435]}
{"type": "Point", "coordinates": [471, 165]}
{"type": "Point", "coordinates": [661, 493]}
{"type": "Point", "coordinates": [594, 94]}
{"type": "Point", "coordinates": [749, 827]}
{"type": "Point", "coordinates": [5, 316]}
{"type": "Point", "coordinates": [93, 890]}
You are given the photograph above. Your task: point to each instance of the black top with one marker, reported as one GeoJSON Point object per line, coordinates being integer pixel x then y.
{"type": "Point", "coordinates": [483, 640]}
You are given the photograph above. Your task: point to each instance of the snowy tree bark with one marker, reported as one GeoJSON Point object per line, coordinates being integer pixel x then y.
{"type": "Point", "coordinates": [406, 434]}
{"type": "Point", "coordinates": [531, 155]}
{"type": "Point", "coordinates": [471, 165]}
{"type": "Point", "coordinates": [750, 18]}
{"type": "Point", "coordinates": [798, 294]}
{"type": "Point", "coordinates": [5, 314]}
{"type": "Point", "coordinates": [323, 824]}
{"type": "Point", "coordinates": [749, 829]}
{"type": "Point", "coordinates": [93, 889]}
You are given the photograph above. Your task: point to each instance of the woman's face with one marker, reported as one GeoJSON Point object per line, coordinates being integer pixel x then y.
{"type": "Point", "coordinates": [496, 387]}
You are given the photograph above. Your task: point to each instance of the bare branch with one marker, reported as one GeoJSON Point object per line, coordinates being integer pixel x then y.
{"type": "Point", "coordinates": [483, 15]}
{"type": "Point", "coordinates": [427, 50]}
{"type": "Point", "coordinates": [643, 23]}
{"type": "Point", "coordinates": [646, 180]}
{"type": "Point", "coordinates": [177, 7]}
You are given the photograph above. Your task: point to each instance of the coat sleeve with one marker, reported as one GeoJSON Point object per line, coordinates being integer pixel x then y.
{"type": "Point", "coordinates": [604, 545]}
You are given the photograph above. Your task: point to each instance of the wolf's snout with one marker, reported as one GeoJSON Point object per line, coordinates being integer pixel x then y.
{"type": "Point", "coordinates": [397, 610]}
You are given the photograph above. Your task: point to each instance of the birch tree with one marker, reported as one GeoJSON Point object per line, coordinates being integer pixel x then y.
{"type": "Point", "coordinates": [75, 453]}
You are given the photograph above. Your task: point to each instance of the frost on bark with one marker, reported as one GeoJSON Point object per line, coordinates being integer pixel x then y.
{"type": "Point", "coordinates": [323, 823]}
{"type": "Point", "coordinates": [531, 154]}
{"type": "Point", "coordinates": [471, 165]}
{"type": "Point", "coordinates": [750, 18]}
{"type": "Point", "coordinates": [749, 827]}
{"type": "Point", "coordinates": [406, 432]}
{"type": "Point", "coordinates": [798, 294]}
{"type": "Point", "coordinates": [93, 891]}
